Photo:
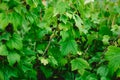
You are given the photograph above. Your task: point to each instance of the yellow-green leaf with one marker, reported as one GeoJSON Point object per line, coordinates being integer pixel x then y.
{"type": "Point", "coordinates": [3, 50]}
{"type": "Point", "coordinates": [80, 65]}
{"type": "Point", "coordinates": [13, 58]}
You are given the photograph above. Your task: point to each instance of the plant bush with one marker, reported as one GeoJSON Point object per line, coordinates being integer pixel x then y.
{"type": "Point", "coordinates": [59, 40]}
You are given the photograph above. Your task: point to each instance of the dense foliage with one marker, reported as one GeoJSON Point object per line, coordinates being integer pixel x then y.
{"type": "Point", "coordinates": [59, 39]}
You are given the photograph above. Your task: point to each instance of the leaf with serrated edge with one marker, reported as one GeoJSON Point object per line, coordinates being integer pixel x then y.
{"type": "Point", "coordinates": [79, 64]}
{"type": "Point", "coordinates": [113, 56]}
{"type": "Point", "coordinates": [68, 46]}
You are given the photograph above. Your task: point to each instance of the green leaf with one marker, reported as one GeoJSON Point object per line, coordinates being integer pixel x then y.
{"type": "Point", "coordinates": [91, 38]}
{"type": "Point", "coordinates": [102, 71]}
{"type": "Point", "coordinates": [26, 63]}
{"type": "Point", "coordinates": [106, 39]}
{"type": "Point", "coordinates": [32, 3]}
{"type": "Point", "coordinates": [78, 21]}
{"type": "Point", "coordinates": [113, 56]}
{"type": "Point", "coordinates": [69, 15]}
{"type": "Point", "coordinates": [30, 17]}
{"type": "Point", "coordinates": [105, 30]}
{"type": "Point", "coordinates": [28, 52]}
{"type": "Point", "coordinates": [16, 20]}
{"type": "Point", "coordinates": [13, 3]}
{"type": "Point", "coordinates": [116, 29]}
{"type": "Point", "coordinates": [32, 74]}
{"type": "Point", "coordinates": [10, 72]}
{"type": "Point", "coordinates": [13, 58]}
{"type": "Point", "coordinates": [63, 18]}
{"type": "Point", "coordinates": [118, 41]}
{"type": "Point", "coordinates": [62, 61]}
{"type": "Point", "coordinates": [15, 42]}
{"type": "Point", "coordinates": [48, 14]}
{"type": "Point", "coordinates": [116, 10]}
{"type": "Point", "coordinates": [118, 73]}
{"type": "Point", "coordinates": [60, 7]}
{"type": "Point", "coordinates": [68, 46]}
{"type": "Point", "coordinates": [64, 34]}
{"type": "Point", "coordinates": [13, 18]}
{"type": "Point", "coordinates": [104, 78]}
{"type": "Point", "coordinates": [4, 20]}
{"type": "Point", "coordinates": [5, 36]}
{"type": "Point", "coordinates": [79, 24]}
{"type": "Point", "coordinates": [91, 77]}
{"type": "Point", "coordinates": [3, 6]}
{"type": "Point", "coordinates": [65, 27]}
{"type": "Point", "coordinates": [47, 72]}
{"type": "Point", "coordinates": [41, 33]}
{"type": "Point", "coordinates": [80, 65]}
{"type": "Point", "coordinates": [52, 61]}
{"type": "Point", "coordinates": [3, 50]}
{"type": "Point", "coordinates": [1, 76]}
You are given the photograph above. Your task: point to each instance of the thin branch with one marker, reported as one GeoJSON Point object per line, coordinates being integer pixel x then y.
{"type": "Point", "coordinates": [46, 49]}
{"type": "Point", "coordinates": [48, 45]}
{"type": "Point", "coordinates": [113, 21]}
